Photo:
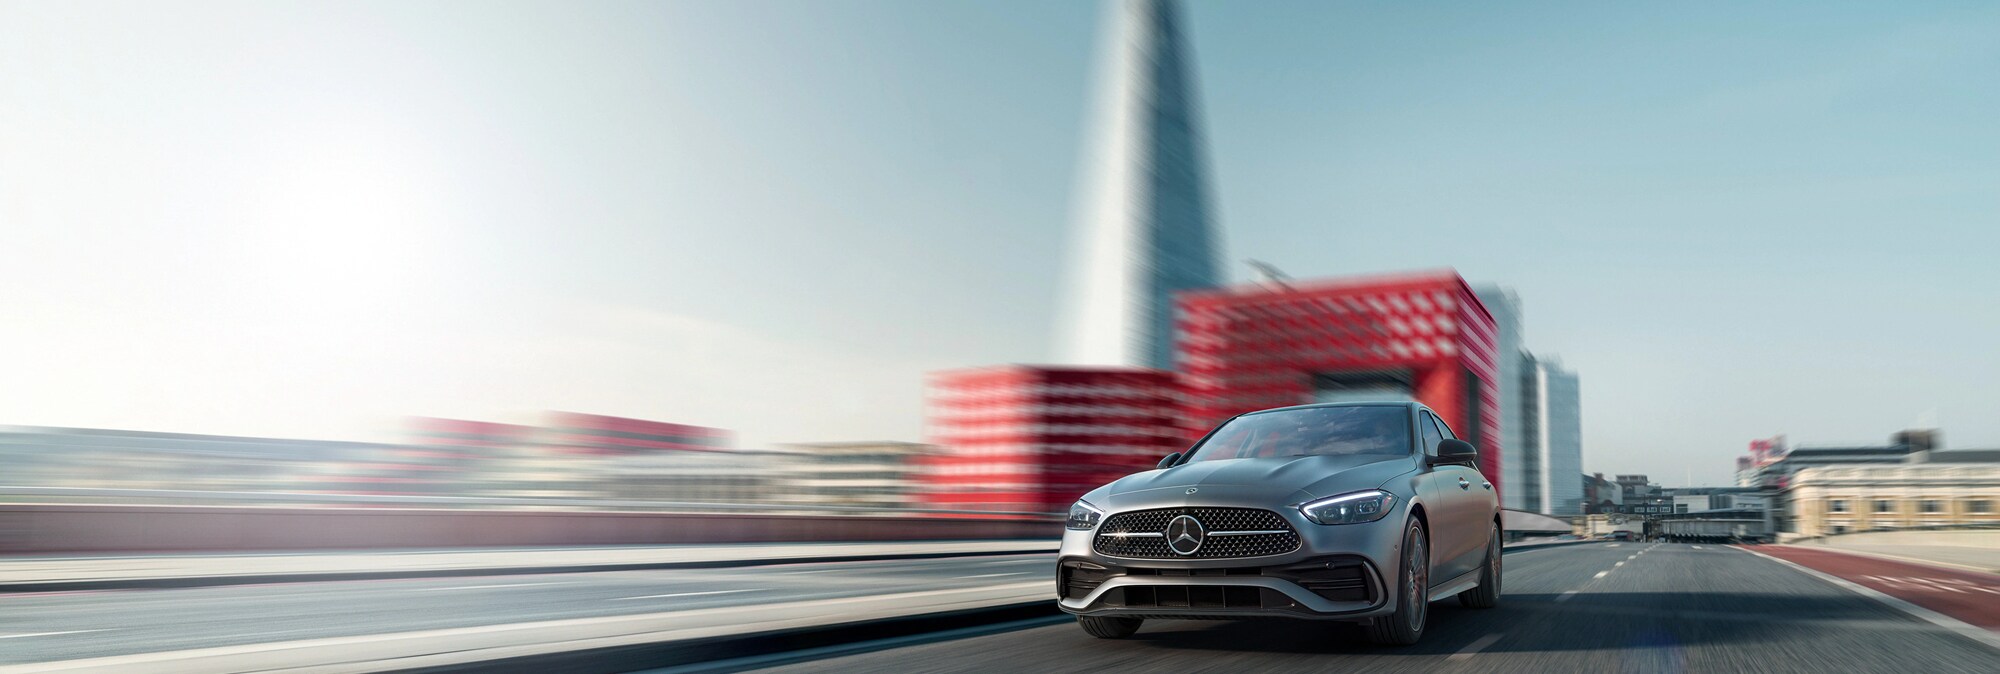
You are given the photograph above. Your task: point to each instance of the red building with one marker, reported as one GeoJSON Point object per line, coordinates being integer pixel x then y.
{"type": "Point", "coordinates": [1033, 439]}
{"type": "Point", "coordinates": [1416, 336]}
{"type": "Point", "coordinates": [597, 434]}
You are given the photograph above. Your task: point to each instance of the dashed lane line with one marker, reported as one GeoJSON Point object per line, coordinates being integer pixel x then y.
{"type": "Point", "coordinates": [1474, 647]}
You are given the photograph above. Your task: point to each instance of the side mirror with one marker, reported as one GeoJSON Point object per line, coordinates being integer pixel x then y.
{"type": "Point", "coordinates": [1169, 460]}
{"type": "Point", "coordinates": [1456, 451]}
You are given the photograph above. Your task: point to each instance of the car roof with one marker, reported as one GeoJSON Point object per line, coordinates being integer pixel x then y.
{"type": "Point", "coordinates": [1359, 403]}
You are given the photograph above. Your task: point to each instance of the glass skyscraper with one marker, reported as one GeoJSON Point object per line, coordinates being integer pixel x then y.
{"type": "Point", "coordinates": [1145, 225]}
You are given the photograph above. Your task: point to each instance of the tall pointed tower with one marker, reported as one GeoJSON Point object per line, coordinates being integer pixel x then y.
{"type": "Point", "coordinates": [1145, 225]}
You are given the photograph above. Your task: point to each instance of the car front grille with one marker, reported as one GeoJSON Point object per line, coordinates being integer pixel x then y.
{"type": "Point", "coordinates": [1197, 597]}
{"type": "Point", "coordinates": [1225, 537]}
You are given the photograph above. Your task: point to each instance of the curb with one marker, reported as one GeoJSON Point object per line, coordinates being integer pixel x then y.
{"type": "Point", "coordinates": [181, 582]}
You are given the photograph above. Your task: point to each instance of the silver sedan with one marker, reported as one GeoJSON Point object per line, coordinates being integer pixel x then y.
{"type": "Point", "coordinates": [1360, 512]}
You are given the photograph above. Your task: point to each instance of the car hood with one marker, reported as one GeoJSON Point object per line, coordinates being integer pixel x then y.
{"type": "Point", "coordinates": [1290, 478]}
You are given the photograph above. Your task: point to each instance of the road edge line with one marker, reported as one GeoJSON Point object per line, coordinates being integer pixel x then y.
{"type": "Point", "coordinates": [1954, 625]}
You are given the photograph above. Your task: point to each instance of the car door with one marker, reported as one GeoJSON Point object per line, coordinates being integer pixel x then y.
{"type": "Point", "coordinates": [1451, 507]}
{"type": "Point", "coordinates": [1475, 517]}
{"type": "Point", "coordinates": [1442, 500]}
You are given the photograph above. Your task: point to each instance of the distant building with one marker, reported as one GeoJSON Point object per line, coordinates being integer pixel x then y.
{"type": "Point", "coordinates": [1829, 500]}
{"type": "Point", "coordinates": [1035, 438]}
{"type": "Point", "coordinates": [863, 474]}
{"type": "Point", "coordinates": [1551, 412]}
{"type": "Point", "coordinates": [1601, 495]}
{"type": "Point", "coordinates": [1519, 446]}
{"type": "Point", "coordinates": [1541, 423]}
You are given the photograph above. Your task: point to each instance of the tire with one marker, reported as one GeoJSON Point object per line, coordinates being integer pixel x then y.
{"type": "Point", "coordinates": [1487, 595]}
{"type": "Point", "coordinates": [1104, 627]}
{"type": "Point", "coordinates": [1413, 583]}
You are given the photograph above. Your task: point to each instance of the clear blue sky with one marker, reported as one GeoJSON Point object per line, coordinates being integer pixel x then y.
{"type": "Point", "coordinates": [307, 219]}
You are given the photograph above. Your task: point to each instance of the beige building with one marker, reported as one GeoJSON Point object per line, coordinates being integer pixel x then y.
{"type": "Point", "coordinates": [1837, 500]}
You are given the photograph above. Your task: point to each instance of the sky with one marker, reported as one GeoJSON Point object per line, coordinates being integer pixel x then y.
{"type": "Point", "coordinates": [315, 219]}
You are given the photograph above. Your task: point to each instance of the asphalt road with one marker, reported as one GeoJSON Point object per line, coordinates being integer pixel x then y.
{"type": "Point", "coordinates": [68, 625]}
{"type": "Point", "coordinates": [1628, 608]}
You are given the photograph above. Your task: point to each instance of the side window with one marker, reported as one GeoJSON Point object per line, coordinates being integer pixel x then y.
{"type": "Point", "coordinates": [1428, 426]}
{"type": "Point", "coordinates": [1446, 429]}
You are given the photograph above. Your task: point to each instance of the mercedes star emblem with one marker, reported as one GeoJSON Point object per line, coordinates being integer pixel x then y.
{"type": "Point", "coordinates": [1184, 535]}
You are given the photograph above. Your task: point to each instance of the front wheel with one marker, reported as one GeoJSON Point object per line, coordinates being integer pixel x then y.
{"type": "Point", "coordinates": [1487, 595]}
{"type": "Point", "coordinates": [1406, 625]}
{"type": "Point", "coordinates": [1105, 627]}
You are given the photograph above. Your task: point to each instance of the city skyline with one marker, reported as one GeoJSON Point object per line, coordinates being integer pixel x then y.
{"type": "Point", "coordinates": [1735, 222]}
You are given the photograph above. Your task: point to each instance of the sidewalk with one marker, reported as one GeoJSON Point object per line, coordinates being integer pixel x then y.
{"type": "Point", "coordinates": [46, 574]}
{"type": "Point", "coordinates": [1967, 596]}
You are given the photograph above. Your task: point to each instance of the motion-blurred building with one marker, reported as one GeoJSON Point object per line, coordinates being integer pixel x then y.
{"type": "Point", "coordinates": [596, 434]}
{"type": "Point", "coordinates": [1421, 336]}
{"type": "Point", "coordinates": [1034, 439]}
{"type": "Point", "coordinates": [1829, 500]}
{"type": "Point", "coordinates": [1541, 423]}
{"type": "Point", "coordinates": [504, 460]}
{"type": "Point", "coordinates": [858, 474]}
{"type": "Point", "coordinates": [1550, 414]}
{"type": "Point", "coordinates": [121, 459]}
{"type": "Point", "coordinates": [733, 476]}
{"type": "Point", "coordinates": [1146, 230]}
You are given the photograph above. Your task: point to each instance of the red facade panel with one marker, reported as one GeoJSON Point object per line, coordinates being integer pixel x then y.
{"type": "Point", "coordinates": [1025, 438]}
{"type": "Point", "coordinates": [1248, 348]}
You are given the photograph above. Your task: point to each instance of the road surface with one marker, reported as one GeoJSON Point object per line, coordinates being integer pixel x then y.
{"type": "Point", "coordinates": [1622, 608]}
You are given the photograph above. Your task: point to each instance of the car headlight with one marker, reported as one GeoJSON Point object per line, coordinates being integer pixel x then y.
{"type": "Point", "coordinates": [1355, 508]}
{"type": "Point", "coordinates": [1084, 516]}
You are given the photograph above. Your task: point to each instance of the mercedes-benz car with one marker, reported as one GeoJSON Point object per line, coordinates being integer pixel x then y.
{"type": "Point", "coordinates": [1359, 512]}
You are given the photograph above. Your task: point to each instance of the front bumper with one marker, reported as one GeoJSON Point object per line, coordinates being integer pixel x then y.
{"type": "Point", "coordinates": [1336, 573]}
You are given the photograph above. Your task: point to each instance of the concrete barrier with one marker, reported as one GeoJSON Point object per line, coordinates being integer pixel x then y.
{"type": "Point", "coordinates": [32, 529]}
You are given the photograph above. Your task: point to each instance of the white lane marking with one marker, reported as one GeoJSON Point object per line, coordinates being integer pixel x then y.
{"type": "Point", "coordinates": [1474, 647]}
{"type": "Point", "coordinates": [1601, 574]}
{"type": "Point", "coordinates": [1613, 545]}
{"type": "Point", "coordinates": [1697, 547]}
{"type": "Point", "coordinates": [482, 587]}
{"type": "Point", "coordinates": [1566, 595]}
{"type": "Point", "coordinates": [48, 634]}
{"type": "Point", "coordinates": [996, 575]}
{"type": "Point", "coordinates": [1964, 629]}
{"type": "Point", "coordinates": [685, 594]}
{"type": "Point", "coordinates": [1618, 564]}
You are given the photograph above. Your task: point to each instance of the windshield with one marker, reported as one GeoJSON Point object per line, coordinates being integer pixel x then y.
{"type": "Point", "coordinates": [1373, 429]}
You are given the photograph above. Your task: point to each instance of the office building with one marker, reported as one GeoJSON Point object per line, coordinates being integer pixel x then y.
{"type": "Point", "coordinates": [1146, 229]}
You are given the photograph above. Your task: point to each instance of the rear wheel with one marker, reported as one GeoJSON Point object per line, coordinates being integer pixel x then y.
{"type": "Point", "coordinates": [1487, 595]}
{"type": "Point", "coordinates": [1105, 627]}
{"type": "Point", "coordinates": [1413, 584]}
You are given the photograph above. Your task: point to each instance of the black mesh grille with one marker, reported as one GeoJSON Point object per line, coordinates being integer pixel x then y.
{"type": "Point", "coordinates": [1212, 546]}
